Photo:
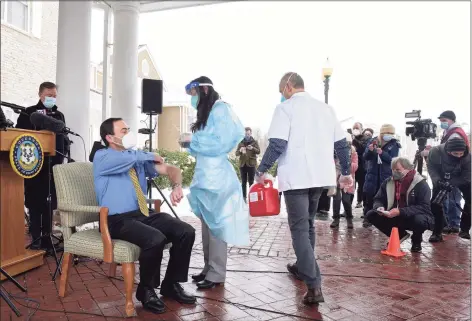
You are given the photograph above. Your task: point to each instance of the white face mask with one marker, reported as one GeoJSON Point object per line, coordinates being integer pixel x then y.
{"type": "Point", "coordinates": [128, 141]}
{"type": "Point", "coordinates": [356, 132]}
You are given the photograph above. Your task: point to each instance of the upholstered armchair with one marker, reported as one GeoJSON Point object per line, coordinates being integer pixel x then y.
{"type": "Point", "coordinates": [77, 205]}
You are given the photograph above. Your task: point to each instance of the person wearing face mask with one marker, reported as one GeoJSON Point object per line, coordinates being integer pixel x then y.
{"type": "Point", "coordinates": [37, 188]}
{"type": "Point", "coordinates": [303, 136]}
{"type": "Point", "coordinates": [368, 132]}
{"type": "Point", "coordinates": [120, 174]}
{"type": "Point", "coordinates": [247, 151]}
{"type": "Point", "coordinates": [403, 201]}
{"type": "Point", "coordinates": [452, 130]}
{"type": "Point", "coordinates": [215, 195]}
{"type": "Point", "coordinates": [378, 158]}
{"type": "Point", "coordinates": [449, 167]}
{"type": "Point", "coordinates": [344, 195]}
{"type": "Point", "coordinates": [359, 141]}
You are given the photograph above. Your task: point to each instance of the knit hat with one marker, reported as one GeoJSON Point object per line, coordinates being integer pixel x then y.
{"type": "Point", "coordinates": [455, 145]}
{"type": "Point", "coordinates": [448, 114]}
{"type": "Point", "coordinates": [387, 128]}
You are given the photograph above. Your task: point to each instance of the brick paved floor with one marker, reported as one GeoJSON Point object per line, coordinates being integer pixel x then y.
{"type": "Point", "coordinates": [341, 255]}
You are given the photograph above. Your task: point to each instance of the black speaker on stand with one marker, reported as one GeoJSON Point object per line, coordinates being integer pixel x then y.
{"type": "Point", "coordinates": [151, 104]}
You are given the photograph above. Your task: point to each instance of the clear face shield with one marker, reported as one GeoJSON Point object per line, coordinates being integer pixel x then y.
{"type": "Point", "coordinates": [193, 89]}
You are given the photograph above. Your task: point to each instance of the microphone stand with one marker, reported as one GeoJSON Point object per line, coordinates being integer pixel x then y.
{"type": "Point", "coordinates": [5, 296]}
{"type": "Point", "coordinates": [150, 181]}
{"type": "Point", "coordinates": [49, 235]}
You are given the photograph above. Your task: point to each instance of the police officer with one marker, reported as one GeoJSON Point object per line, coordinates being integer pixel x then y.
{"type": "Point", "coordinates": [37, 188]}
{"type": "Point", "coordinates": [449, 167]}
{"type": "Point", "coordinates": [302, 134]}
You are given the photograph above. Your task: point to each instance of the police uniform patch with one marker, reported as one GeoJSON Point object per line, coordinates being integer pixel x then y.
{"type": "Point", "coordinates": [26, 156]}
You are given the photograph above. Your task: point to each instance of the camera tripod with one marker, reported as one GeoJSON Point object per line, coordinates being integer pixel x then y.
{"type": "Point", "coordinates": [418, 161]}
{"type": "Point", "coordinates": [5, 296]}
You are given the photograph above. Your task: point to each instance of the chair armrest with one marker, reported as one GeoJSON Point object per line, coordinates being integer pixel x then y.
{"type": "Point", "coordinates": [106, 238]}
{"type": "Point", "coordinates": [78, 208]}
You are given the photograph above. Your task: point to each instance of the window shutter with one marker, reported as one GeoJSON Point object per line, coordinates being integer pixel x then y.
{"type": "Point", "coordinates": [36, 18]}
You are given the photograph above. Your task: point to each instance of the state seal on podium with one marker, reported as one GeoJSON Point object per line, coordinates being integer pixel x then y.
{"type": "Point", "coordinates": [26, 156]}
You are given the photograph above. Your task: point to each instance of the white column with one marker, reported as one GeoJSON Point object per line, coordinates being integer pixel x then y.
{"type": "Point", "coordinates": [73, 71]}
{"type": "Point", "coordinates": [106, 63]}
{"type": "Point", "coordinates": [125, 62]}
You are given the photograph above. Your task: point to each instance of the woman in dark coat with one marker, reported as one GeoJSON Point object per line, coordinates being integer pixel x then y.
{"type": "Point", "coordinates": [378, 158]}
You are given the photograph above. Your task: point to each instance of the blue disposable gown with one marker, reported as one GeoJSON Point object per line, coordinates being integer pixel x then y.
{"type": "Point", "coordinates": [215, 193]}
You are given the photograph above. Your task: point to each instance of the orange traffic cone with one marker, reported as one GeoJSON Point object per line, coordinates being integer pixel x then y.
{"type": "Point", "coordinates": [393, 248]}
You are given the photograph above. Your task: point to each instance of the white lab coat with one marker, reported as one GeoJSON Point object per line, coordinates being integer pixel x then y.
{"type": "Point", "coordinates": [310, 127]}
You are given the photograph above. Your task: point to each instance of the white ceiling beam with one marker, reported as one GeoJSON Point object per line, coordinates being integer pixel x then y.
{"type": "Point", "coordinates": [151, 6]}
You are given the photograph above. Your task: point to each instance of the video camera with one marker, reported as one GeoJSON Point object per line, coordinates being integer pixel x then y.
{"type": "Point", "coordinates": [421, 128]}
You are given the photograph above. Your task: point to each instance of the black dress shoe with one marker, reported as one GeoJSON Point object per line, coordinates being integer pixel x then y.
{"type": "Point", "coordinates": [177, 292]}
{"type": "Point", "coordinates": [149, 299]}
{"type": "Point", "coordinates": [434, 238]}
{"type": "Point", "coordinates": [464, 235]}
{"type": "Point", "coordinates": [198, 277]}
{"type": "Point", "coordinates": [416, 248]}
{"type": "Point", "coordinates": [313, 296]}
{"type": "Point", "coordinates": [205, 284]}
{"type": "Point", "coordinates": [293, 269]}
{"type": "Point", "coordinates": [334, 224]}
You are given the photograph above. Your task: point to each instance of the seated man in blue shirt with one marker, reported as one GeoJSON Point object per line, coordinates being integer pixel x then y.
{"type": "Point", "coordinates": [120, 181]}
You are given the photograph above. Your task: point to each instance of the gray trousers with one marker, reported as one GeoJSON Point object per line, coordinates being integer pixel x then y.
{"type": "Point", "coordinates": [301, 209]}
{"type": "Point", "coordinates": [214, 255]}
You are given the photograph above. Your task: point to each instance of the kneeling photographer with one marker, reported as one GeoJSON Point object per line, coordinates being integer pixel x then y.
{"type": "Point", "coordinates": [403, 201]}
{"type": "Point", "coordinates": [449, 167]}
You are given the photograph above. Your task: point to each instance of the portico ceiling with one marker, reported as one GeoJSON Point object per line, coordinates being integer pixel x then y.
{"type": "Point", "coordinates": [151, 6]}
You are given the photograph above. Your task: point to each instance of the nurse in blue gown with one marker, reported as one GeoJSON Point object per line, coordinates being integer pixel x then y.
{"type": "Point", "coordinates": [215, 194]}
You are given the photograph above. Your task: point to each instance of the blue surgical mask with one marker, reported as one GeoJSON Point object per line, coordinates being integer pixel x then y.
{"type": "Point", "coordinates": [282, 98]}
{"type": "Point", "coordinates": [444, 125]}
{"type": "Point", "coordinates": [194, 101]}
{"type": "Point", "coordinates": [49, 102]}
{"type": "Point", "coordinates": [387, 138]}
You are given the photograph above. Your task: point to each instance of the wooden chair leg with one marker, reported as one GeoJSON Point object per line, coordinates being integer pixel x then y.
{"type": "Point", "coordinates": [112, 270]}
{"type": "Point", "coordinates": [128, 275]}
{"type": "Point", "coordinates": [66, 269]}
{"type": "Point", "coordinates": [157, 206]}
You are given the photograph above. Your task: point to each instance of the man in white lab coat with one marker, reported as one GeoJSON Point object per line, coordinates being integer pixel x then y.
{"type": "Point", "coordinates": [304, 134]}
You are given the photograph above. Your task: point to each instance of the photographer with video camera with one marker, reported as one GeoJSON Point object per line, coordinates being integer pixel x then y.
{"type": "Point", "coordinates": [378, 157]}
{"type": "Point", "coordinates": [449, 167]}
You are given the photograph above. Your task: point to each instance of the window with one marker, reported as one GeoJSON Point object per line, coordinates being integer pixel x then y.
{"type": "Point", "coordinates": [17, 14]}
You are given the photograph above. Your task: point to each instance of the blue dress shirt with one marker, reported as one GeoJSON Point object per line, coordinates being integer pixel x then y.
{"type": "Point", "coordinates": [113, 185]}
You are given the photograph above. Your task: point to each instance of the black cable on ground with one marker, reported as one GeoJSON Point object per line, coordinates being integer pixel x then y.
{"type": "Point", "coordinates": [348, 276]}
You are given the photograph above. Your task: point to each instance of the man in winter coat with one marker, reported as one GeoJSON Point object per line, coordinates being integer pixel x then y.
{"type": "Point", "coordinates": [378, 158]}
{"type": "Point", "coordinates": [37, 189]}
{"type": "Point", "coordinates": [452, 212]}
{"type": "Point", "coordinates": [247, 150]}
{"type": "Point", "coordinates": [403, 201]}
{"type": "Point", "coordinates": [449, 167]}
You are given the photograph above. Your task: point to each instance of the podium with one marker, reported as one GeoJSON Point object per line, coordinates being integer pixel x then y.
{"type": "Point", "coordinates": [15, 259]}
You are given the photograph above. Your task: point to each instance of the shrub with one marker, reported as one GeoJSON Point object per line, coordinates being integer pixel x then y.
{"type": "Point", "coordinates": [182, 160]}
{"type": "Point", "coordinates": [186, 163]}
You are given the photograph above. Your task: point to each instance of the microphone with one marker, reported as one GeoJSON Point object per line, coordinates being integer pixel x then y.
{"type": "Point", "coordinates": [46, 122]}
{"type": "Point", "coordinates": [17, 109]}
{"type": "Point", "coordinates": [4, 122]}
